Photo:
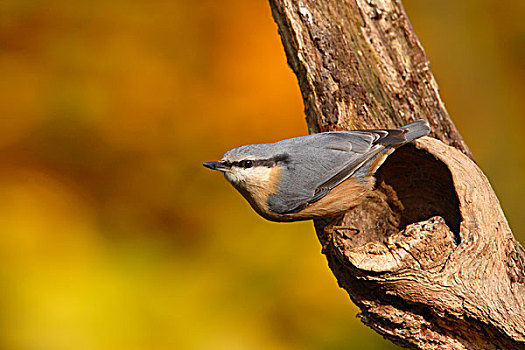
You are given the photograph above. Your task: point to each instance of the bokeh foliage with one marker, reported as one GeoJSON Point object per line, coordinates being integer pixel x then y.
{"type": "Point", "coordinates": [113, 236]}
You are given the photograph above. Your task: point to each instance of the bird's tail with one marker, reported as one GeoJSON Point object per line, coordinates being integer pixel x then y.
{"type": "Point", "coordinates": [404, 134]}
{"type": "Point", "coordinates": [415, 130]}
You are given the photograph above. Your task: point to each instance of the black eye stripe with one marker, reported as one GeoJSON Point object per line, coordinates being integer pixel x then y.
{"type": "Point", "coordinates": [271, 162]}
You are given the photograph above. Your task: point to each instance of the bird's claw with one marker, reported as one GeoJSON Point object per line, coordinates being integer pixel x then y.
{"type": "Point", "coordinates": [329, 234]}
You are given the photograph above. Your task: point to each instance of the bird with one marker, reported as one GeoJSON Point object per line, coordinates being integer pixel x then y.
{"type": "Point", "coordinates": [315, 176]}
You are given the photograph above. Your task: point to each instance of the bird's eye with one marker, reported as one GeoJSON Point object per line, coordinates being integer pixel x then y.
{"type": "Point", "coordinates": [247, 164]}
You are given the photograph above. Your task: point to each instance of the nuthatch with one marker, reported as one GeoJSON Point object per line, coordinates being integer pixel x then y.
{"type": "Point", "coordinates": [315, 176]}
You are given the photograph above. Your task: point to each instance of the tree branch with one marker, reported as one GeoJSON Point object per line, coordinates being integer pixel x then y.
{"type": "Point", "coordinates": [360, 65]}
{"type": "Point", "coordinates": [435, 264]}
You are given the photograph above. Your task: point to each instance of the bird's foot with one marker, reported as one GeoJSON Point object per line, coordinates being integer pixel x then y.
{"type": "Point", "coordinates": [329, 233]}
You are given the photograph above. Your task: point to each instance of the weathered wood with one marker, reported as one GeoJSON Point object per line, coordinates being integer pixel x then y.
{"type": "Point", "coordinates": [435, 264]}
{"type": "Point", "coordinates": [360, 65]}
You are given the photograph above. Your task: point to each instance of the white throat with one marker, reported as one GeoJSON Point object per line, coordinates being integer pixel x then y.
{"type": "Point", "coordinates": [256, 176]}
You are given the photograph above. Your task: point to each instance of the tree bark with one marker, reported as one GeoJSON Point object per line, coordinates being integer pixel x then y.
{"type": "Point", "coordinates": [435, 264]}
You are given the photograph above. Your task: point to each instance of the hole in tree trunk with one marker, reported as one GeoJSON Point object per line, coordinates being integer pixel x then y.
{"type": "Point", "coordinates": [422, 184]}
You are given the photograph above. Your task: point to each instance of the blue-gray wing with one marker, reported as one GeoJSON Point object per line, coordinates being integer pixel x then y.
{"type": "Point", "coordinates": [318, 163]}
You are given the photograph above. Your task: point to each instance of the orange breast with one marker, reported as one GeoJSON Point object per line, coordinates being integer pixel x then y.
{"type": "Point", "coordinates": [340, 199]}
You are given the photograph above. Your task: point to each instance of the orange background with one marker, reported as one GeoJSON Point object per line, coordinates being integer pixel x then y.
{"type": "Point", "coordinates": [113, 236]}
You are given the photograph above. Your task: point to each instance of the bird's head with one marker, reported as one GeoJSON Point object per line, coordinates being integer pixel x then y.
{"type": "Point", "coordinates": [250, 166]}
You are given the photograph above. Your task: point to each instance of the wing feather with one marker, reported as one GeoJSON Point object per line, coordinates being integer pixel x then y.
{"type": "Point", "coordinates": [320, 162]}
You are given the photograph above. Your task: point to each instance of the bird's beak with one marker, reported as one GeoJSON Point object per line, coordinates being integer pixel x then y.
{"type": "Point", "coordinates": [219, 165]}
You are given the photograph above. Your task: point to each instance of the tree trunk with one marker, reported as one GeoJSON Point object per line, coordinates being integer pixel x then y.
{"type": "Point", "coordinates": [435, 264]}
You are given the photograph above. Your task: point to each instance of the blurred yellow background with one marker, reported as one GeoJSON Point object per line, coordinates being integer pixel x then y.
{"type": "Point", "coordinates": [113, 236]}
